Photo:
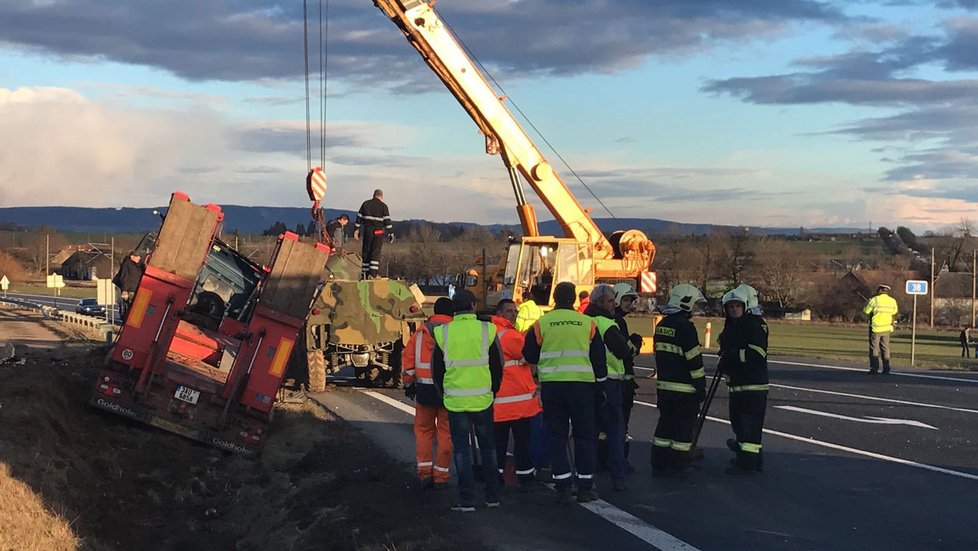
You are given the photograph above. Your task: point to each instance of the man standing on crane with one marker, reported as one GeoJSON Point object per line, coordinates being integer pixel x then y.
{"type": "Point", "coordinates": [880, 309]}
{"type": "Point", "coordinates": [570, 357]}
{"type": "Point", "coordinates": [373, 225]}
{"type": "Point", "coordinates": [336, 231]}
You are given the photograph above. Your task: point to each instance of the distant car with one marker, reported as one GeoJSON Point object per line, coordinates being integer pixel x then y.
{"type": "Point", "coordinates": [90, 307]}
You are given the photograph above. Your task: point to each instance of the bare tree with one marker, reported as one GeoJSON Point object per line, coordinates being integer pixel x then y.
{"type": "Point", "coordinates": [735, 255]}
{"type": "Point", "coordinates": [782, 271]}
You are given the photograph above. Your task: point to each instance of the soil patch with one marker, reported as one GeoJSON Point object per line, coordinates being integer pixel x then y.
{"type": "Point", "coordinates": [72, 477]}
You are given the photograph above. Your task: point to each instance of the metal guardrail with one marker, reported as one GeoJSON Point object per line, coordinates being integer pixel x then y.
{"type": "Point", "coordinates": [98, 325]}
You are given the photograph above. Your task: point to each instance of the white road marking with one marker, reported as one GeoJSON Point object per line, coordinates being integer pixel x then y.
{"type": "Point", "coordinates": [874, 455]}
{"type": "Point", "coordinates": [867, 419]}
{"type": "Point", "coordinates": [637, 527]}
{"type": "Point", "coordinates": [857, 369]}
{"type": "Point", "coordinates": [876, 398]}
{"type": "Point", "coordinates": [626, 521]}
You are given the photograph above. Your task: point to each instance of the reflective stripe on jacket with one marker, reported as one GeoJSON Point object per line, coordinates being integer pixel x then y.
{"type": "Point", "coordinates": [678, 358]}
{"type": "Point", "coordinates": [517, 397]}
{"type": "Point", "coordinates": [743, 353]}
{"type": "Point", "coordinates": [565, 341]}
{"type": "Point", "coordinates": [416, 361]}
{"type": "Point", "coordinates": [881, 310]}
{"type": "Point", "coordinates": [465, 343]}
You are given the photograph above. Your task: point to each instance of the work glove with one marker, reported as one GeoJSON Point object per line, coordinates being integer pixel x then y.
{"type": "Point", "coordinates": [356, 234]}
{"type": "Point", "coordinates": [636, 341]}
{"type": "Point", "coordinates": [411, 391]}
{"type": "Point", "coordinates": [390, 237]}
{"type": "Point", "coordinates": [701, 392]}
{"type": "Point", "coordinates": [600, 398]}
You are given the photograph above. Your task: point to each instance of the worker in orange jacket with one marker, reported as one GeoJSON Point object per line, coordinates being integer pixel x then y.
{"type": "Point", "coordinates": [517, 401]}
{"type": "Point", "coordinates": [430, 415]}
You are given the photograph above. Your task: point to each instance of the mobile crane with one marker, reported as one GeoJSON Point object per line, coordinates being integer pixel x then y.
{"type": "Point", "coordinates": [534, 263]}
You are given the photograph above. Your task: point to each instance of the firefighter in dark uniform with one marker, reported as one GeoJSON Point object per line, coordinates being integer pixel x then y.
{"type": "Point", "coordinates": [743, 358]}
{"type": "Point", "coordinates": [373, 225]}
{"type": "Point", "coordinates": [625, 297]}
{"type": "Point", "coordinates": [681, 384]}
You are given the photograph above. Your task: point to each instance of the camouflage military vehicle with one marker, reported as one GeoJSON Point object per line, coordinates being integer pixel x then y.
{"type": "Point", "coordinates": [357, 329]}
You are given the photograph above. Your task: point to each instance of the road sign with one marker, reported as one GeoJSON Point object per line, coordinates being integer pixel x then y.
{"type": "Point", "coordinates": [916, 287]}
{"type": "Point", "coordinates": [106, 292]}
{"type": "Point", "coordinates": [4, 283]}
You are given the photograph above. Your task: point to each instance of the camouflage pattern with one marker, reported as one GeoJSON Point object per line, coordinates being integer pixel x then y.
{"type": "Point", "coordinates": [369, 319]}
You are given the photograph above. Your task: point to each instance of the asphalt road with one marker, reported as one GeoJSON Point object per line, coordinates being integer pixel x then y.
{"type": "Point", "coordinates": [62, 303]}
{"type": "Point", "coordinates": [852, 461]}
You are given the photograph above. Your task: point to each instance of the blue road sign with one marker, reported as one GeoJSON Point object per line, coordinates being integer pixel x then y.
{"type": "Point", "coordinates": [916, 287]}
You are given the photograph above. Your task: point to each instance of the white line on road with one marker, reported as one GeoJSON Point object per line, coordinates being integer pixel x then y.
{"type": "Point", "coordinates": [626, 521]}
{"type": "Point", "coordinates": [876, 398]}
{"type": "Point", "coordinates": [857, 369]}
{"type": "Point", "coordinates": [867, 419]}
{"type": "Point", "coordinates": [809, 440]}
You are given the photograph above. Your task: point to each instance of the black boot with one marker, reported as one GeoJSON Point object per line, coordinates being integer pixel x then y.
{"type": "Point", "coordinates": [732, 445]}
{"type": "Point", "coordinates": [660, 460]}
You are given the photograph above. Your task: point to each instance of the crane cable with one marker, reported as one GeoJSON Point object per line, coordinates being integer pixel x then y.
{"type": "Point", "coordinates": [322, 52]}
{"type": "Point", "coordinates": [527, 119]}
{"type": "Point", "coordinates": [305, 56]}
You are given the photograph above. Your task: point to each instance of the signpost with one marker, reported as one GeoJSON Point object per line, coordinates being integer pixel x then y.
{"type": "Point", "coordinates": [56, 282]}
{"type": "Point", "coordinates": [106, 297]}
{"type": "Point", "coordinates": [4, 283]}
{"type": "Point", "coordinates": [915, 287]}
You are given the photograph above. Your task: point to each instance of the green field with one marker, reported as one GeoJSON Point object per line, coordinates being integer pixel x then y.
{"type": "Point", "coordinates": [76, 292]}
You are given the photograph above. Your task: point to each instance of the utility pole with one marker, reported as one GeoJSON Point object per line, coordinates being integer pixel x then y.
{"type": "Point", "coordinates": [109, 309]}
{"type": "Point", "coordinates": [932, 287]}
{"type": "Point", "coordinates": [974, 285]}
{"type": "Point", "coordinates": [47, 254]}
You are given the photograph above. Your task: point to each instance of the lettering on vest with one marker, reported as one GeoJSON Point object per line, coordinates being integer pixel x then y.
{"type": "Point", "coordinates": [666, 331]}
{"type": "Point", "coordinates": [565, 322]}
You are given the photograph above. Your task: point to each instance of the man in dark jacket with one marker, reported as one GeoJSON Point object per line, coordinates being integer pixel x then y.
{"type": "Point", "coordinates": [625, 297]}
{"type": "Point", "coordinates": [373, 225]}
{"type": "Point", "coordinates": [681, 384]}
{"type": "Point", "coordinates": [336, 232]}
{"type": "Point", "coordinates": [127, 280]}
{"type": "Point", "coordinates": [743, 358]}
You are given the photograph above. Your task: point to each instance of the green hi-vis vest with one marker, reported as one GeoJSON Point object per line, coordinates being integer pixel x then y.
{"type": "Point", "coordinates": [616, 367]}
{"type": "Point", "coordinates": [565, 347]}
{"type": "Point", "coordinates": [465, 343]}
{"type": "Point", "coordinates": [881, 308]}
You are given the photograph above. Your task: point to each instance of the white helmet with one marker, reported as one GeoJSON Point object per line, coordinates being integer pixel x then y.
{"type": "Point", "coordinates": [684, 296]}
{"type": "Point", "coordinates": [623, 290]}
{"type": "Point", "coordinates": [749, 292]}
{"type": "Point", "coordinates": [735, 295]}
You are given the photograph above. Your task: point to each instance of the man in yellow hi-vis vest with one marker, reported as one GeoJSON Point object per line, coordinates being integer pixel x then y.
{"type": "Point", "coordinates": [467, 365]}
{"type": "Point", "coordinates": [881, 309]}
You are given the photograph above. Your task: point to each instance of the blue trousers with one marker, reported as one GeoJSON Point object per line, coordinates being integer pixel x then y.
{"type": "Point", "coordinates": [566, 404]}
{"type": "Point", "coordinates": [481, 422]}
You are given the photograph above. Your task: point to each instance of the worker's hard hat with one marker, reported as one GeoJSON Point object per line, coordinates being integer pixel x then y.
{"type": "Point", "coordinates": [883, 287]}
{"type": "Point", "coordinates": [684, 296]}
{"type": "Point", "coordinates": [623, 290]}
{"type": "Point", "coordinates": [749, 293]}
{"type": "Point", "coordinates": [734, 295]}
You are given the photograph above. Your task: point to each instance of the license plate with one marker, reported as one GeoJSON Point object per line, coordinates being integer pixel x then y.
{"type": "Point", "coordinates": [187, 394]}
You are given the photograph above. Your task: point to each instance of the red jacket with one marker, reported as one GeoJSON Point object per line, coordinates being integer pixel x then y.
{"type": "Point", "coordinates": [584, 304]}
{"type": "Point", "coordinates": [516, 398]}
{"type": "Point", "coordinates": [416, 362]}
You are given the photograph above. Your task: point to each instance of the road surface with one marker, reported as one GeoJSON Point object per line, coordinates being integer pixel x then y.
{"type": "Point", "coordinates": [23, 327]}
{"type": "Point", "coordinates": [852, 461]}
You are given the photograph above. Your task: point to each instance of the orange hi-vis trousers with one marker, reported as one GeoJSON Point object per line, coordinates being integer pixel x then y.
{"type": "Point", "coordinates": [431, 422]}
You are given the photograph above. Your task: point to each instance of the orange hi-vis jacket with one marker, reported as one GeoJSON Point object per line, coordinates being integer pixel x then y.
{"type": "Point", "coordinates": [516, 398]}
{"type": "Point", "coordinates": [416, 361]}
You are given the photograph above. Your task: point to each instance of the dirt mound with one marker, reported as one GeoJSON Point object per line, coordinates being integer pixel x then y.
{"type": "Point", "coordinates": [72, 477]}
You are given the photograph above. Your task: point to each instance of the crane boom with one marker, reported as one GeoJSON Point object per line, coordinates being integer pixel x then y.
{"type": "Point", "coordinates": [425, 31]}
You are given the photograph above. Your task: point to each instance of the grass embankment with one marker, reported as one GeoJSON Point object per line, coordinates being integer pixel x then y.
{"type": "Point", "coordinates": [935, 349]}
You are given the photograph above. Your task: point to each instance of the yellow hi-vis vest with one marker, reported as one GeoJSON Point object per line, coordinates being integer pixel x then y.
{"type": "Point", "coordinates": [881, 310]}
{"type": "Point", "coordinates": [565, 343]}
{"type": "Point", "coordinates": [616, 367]}
{"type": "Point", "coordinates": [527, 314]}
{"type": "Point", "coordinates": [465, 343]}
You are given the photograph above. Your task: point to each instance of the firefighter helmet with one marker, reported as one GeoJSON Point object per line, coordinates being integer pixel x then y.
{"type": "Point", "coordinates": [623, 290]}
{"type": "Point", "coordinates": [734, 295]}
{"type": "Point", "coordinates": [749, 293]}
{"type": "Point", "coordinates": [684, 296]}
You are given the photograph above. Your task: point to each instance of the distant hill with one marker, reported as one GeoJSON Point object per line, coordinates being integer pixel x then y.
{"type": "Point", "coordinates": [256, 219]}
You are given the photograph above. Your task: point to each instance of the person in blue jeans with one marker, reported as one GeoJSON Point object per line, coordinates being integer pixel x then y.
{"type": "Point", "coordinates": [467, 365]}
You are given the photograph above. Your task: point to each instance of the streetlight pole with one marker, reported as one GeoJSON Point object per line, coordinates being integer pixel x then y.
{"type": "Point", "coordinates": [932, 287]}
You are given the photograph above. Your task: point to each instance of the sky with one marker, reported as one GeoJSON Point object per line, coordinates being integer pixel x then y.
{"type": "Point", "coordinates": [781, 113]}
